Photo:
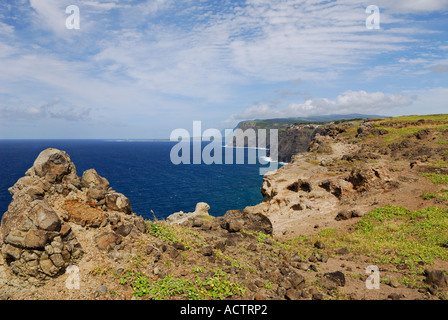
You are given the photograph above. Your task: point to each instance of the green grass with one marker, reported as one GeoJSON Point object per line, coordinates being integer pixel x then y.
{"type": "Point", "coordinates": [442, 195]}
{"type": "Point", "coordinates": [437, 178]}
{"type": "Point", "coordinates": [162, 231]}
{"type": "Point", "coordinates": [429, 196]}
{"type": "Point", "coordinates": [218, 286]}
{"type": "Point", "coordinates": [175, 234]}
{"type": "Point", "coordinates": [398, 134]}
{"type": "Point", "coordinates": [392, 235]}
{"type": "Point", "coordinates": [412, 237]}
{"type": "Point", "coordinates": [434, 117]}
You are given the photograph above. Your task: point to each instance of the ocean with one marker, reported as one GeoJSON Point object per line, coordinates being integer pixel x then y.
{"type": "Point", "coordinates": [143, 171]}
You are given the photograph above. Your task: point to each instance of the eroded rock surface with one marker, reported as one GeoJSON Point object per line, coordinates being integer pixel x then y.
{"type": "Point", "coordinates": [37, 234]}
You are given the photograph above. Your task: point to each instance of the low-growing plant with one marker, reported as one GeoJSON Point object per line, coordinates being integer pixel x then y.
{"type": "Point", "coordinates": [442, 195]}
{"type": "Point", "coordinates": [436, 178]}
{"type": "Point", "coordinates": [392, 235]}
{"type": "Point", "coordinates": [162, 231]}
{"type": "Point", "coordinates": [217, 286]}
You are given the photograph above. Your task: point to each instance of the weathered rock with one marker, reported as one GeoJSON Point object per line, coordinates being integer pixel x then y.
{"type": "Point", "coordinates": [118, 202]}
{"type": "Point", "coordinates": [207, 251]}
{"type": "Point", "coordinates": [53, 165]}
{"type": "Point", "coordinates": [46, 218]}
{"type": "Point", "coordinates": [200, 214]}
{"type": "Point", "coordinates": [234, 225]}
{"type": "Point", "coordinates": [394, 296]}
{"type": "Point", "coordinates": [236, 220]}
{"type": "Point", "coordinates": [332, 280]}
{"type": "Point", "coordinates": [37, 240]}
{"type": "Point", "coordinates": [292, 294]}
{"type": "Point", "coordinates": [319, 245]}
{"type": "Point", "coordinates": [90, 178]}
{"type": "Point", "coordinates": [102, 289]}
{"type": "Point", "coordinates": [436, 278]}
{"type": "Point", "coordinates": [84, 214]}
{"type": "Point", "coordinates": [107, 241]}
{"type": "Point", "coordinates": [47, 266]}
{"type": "Point", "coordinates": [11, 252]}
{"type": "Point", "coordinates": [297, 280]}
{"type": "Point", "coordinates": [364, 176]}
{"type": "Point", "coordinates": [96, 193]}
{"type": "Point", "coordinates": [347, 214]}
{"type": "Point", "coordinates": [124, 229]}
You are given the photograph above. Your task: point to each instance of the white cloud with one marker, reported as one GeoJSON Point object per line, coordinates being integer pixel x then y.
{"type": "Point", "coordinates": [53, 109]}
{"type": "Point", "coordinates": [414, 6]}
{"type": "Point", "coordinates": [425, 101]}
{"type": "Point", "coordinates": [101, 6]}
{"type": "Point", "coordinates": [156, 55]}
{"type": "Point", "coordinates": [50, 14]}
{"type": "Point", "coordinates": [6, 29]}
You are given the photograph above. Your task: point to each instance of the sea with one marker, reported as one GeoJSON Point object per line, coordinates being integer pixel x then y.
{"type": "Point", "coordinates": [143, 171]}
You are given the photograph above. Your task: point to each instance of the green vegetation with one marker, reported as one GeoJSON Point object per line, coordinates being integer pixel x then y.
{"type": "Point", "coordinates": [162, 231]}
{"type": "Point", "coordinates": [431, 117]}
{"type": "Point", "coordinates": [437, 178]}
{"type": "Point", "coordinates": [398, 133]}
{"type": "Point", "coordinates": [174, 234]}
{"type": "Point", "coordinates": [393, 235]}
{"type": "Point", "coordinates": [216, 286]}
{"type": "Point", "coordinates": [442, 195]}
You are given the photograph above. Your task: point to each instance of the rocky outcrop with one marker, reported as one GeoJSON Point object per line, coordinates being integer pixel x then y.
{"type": "Point", "coordinates": [238, 220]}
{"type": "Point", "coordinates": [196, 218]}
{"type": "Point", "coordinates": [37, 234]}
{"type": "Point", "coordinates": [292, 139]}
{"type": "Point", "coordinates": [233, 221]}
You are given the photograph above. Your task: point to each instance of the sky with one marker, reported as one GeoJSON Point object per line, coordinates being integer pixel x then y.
{"type": "Point", "coordinates": [141, 69]}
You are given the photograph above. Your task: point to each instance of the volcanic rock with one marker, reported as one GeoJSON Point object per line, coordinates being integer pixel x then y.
{"type": "Point", "coordinates": [38, 237]}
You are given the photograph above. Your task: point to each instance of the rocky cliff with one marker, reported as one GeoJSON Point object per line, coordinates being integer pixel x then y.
{"type": "Point", "coordinates": [355, 166]}
{"type": "Point", "coordinates": [292, 139]}
{"type": "Point", "coordinates": [367, 192]}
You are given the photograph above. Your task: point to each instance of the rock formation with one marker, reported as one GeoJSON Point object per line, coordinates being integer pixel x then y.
{"type": "Point", "coordinates": [51, 206]}
{"type": "Point", "coordinates": [292, 139]}
{"type": "Point", "coordinates": [196, 218]}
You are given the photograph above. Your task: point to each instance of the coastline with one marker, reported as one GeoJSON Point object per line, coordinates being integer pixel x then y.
{"type": "Point", "coordinates": [308, 239]}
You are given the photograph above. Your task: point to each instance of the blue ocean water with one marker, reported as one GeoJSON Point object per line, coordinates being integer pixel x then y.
{"type": "Point", "coordinates": [142, 171]}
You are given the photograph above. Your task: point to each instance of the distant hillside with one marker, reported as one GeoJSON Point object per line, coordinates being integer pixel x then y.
{"type": "Point", "coordinates": [310, 119]}
{"type": "Point", "coordinates": [294, 134]}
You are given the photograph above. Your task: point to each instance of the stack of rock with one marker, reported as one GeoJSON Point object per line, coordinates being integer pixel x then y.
{"type": "Point", "coordinates": [37, 234]}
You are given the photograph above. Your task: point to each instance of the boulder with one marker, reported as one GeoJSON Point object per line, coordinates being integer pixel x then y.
{"type": "Point", "coordinates": [347, 214]}
{"type": "Point", "coordinates": [436, 278]}
{"type": "Point", "coordinates": [118, 202]}
{"type": "Point", "coordinates": [195, 218]}
{"type": "Point", "coordinates": [90, 178]}
{"type": "Point", "coordinates": [332, 280]}
{"type": "Point", "coordinates": [237, 220]}
{"type": "Point", "coordinates": [53, 165]}
{"type": "Point", "coordinates": [96, 185]}
{"type": "Point", "coordinates": [107, 241]}
{"type": "Point", "coordinates": [36, 239]}
{"type": "Point", "coordinates": [45, 217]}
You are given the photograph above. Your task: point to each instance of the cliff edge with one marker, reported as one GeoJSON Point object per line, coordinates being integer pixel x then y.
{"type": "Point", "coordinates": [367, 193]}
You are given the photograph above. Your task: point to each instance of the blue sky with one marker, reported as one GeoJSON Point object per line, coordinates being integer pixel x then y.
{"type": "Point", "coordinates": [140, 69]}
